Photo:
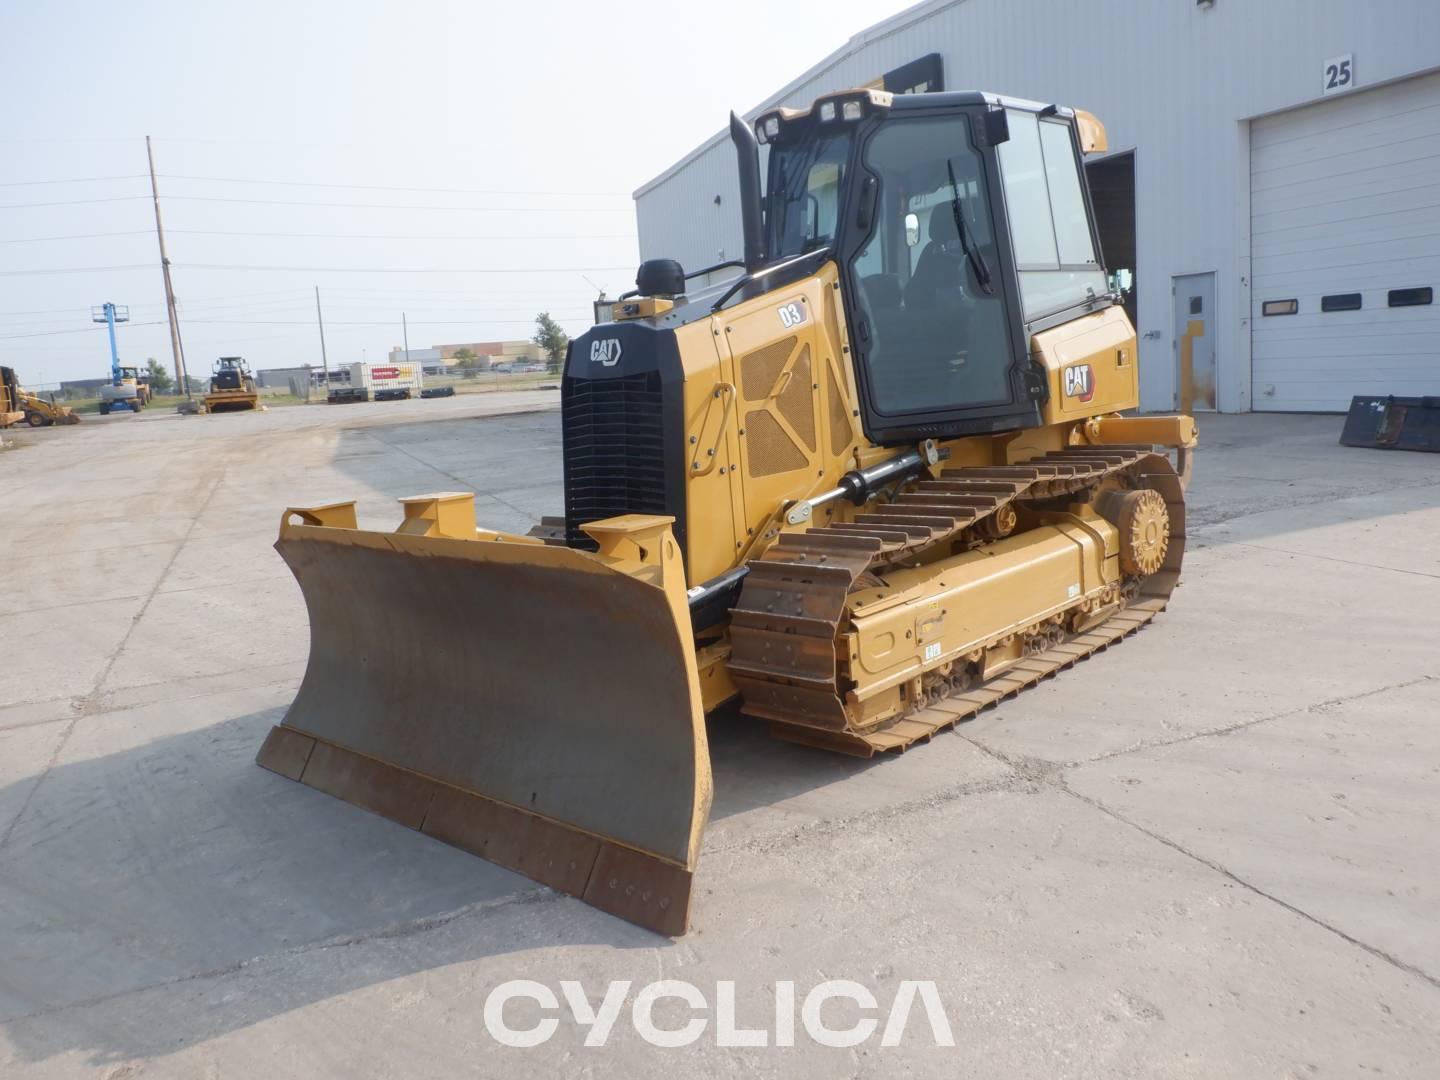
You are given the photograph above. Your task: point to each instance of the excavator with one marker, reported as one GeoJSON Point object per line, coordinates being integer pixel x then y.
{"type": "Point", "coordinates": [886, 475]}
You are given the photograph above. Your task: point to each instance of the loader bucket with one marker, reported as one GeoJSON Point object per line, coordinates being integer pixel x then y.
{"type": "Point", "coordinates": [533, 704]}
{"type": "Point", "coordinates": [231, 401]}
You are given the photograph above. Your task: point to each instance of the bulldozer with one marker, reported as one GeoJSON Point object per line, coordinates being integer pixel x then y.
{"type": "Point", "coordinates": [885, 475]}
{"type": "Point", "coordinates": [232, 387]}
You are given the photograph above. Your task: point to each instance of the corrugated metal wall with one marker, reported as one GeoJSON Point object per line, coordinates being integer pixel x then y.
{"type": "Point", "coordinates": [1176, 81]}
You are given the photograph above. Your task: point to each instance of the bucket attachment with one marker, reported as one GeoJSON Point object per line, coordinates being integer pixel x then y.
{"type": "Point", "coordinates": [218, 401]}
{"type": "Point", "coordinates": [1393, 423]}
{"type": "Point", "coordinates": [535, 705]}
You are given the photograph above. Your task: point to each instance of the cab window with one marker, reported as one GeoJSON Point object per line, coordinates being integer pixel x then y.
{"type": "Point", "coordinates": [1049, 224]}
{"type": "Point", "coordinates": [806, 181]}
{"type": "Point", "coordinates": [935, 332]}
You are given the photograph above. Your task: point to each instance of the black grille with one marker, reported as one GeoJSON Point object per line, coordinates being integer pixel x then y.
{"type": "Point", "coordinates": [615, 460]}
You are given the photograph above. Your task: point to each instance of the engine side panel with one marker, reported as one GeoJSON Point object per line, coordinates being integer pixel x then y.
{"type": "Point", "coordinates": [771, 418]}
{"type": "Point", "coordinates": [1089, 365]}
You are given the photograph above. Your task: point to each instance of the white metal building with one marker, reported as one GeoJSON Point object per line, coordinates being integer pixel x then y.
{"type": "Point", "coordinates": [1273, 179]}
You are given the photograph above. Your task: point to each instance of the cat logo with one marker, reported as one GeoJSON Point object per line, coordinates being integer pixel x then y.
{"type": "Point", "coordinates": [605, 351]}
{"type": "Point", "coordinates": [1080, 382]}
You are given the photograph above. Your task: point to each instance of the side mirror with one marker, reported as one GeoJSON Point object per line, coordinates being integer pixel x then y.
{"type": "Point", "coordinates": [997, 127]}
{"type": "Point", "coordinates": [912, 230]}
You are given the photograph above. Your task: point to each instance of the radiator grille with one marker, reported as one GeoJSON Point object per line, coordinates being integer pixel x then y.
{"type": "Point", "coordinates": [615, 455]}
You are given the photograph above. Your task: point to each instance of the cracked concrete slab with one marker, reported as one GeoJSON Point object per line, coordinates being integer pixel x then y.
{"type": "Point", "coordinates": [1063, 942]}
{"type": "Point", "coordinates": [1176, 904]}
{"type": "Point", "coordinates": [155, 849]}
{"type": "Point", "coordinates": [61, 651]}
{"type": "Point", "coordinates": [1331, 809]}
{"type": "Point", "coordinates": [1250, 633]}
{"type": "Point", "coordinates": [211, 630]}
{"type": "Point", "coordinates": [47, 579]}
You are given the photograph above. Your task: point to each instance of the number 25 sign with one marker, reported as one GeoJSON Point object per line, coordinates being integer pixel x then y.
{"type": "Point", "coordinates": [1339, 74]}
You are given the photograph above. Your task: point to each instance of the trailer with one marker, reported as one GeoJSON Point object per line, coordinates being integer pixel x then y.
{"type": "Point", "coordinates": [379, 382]}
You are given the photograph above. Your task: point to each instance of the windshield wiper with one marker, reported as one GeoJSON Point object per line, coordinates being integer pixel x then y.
{"type": "Point", "coordinates": [977, 261]}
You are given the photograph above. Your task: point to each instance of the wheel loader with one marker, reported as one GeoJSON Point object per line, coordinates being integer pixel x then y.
{"type": "Point", "coordinates": [886, 476]}
{"type": "Point", "coordinates": [46, 412]}
{"type": "Point", "coordinates": [11, 411]}
{"type": "Point", "coordinates": [232, 387]}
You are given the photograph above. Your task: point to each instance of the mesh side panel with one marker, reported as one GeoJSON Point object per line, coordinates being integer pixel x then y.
{"type": "Point", "coordinates": [840, 430]}
{"type": "Point", "coordinates": [771, 450]}
{"type": "Point", "coordinates": [760, 369]}
{"type": "Point", "coordinates": [797, 402]}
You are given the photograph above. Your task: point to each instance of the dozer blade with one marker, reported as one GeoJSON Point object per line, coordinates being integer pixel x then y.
{"type": "Point", "coordinates": [536, 705]}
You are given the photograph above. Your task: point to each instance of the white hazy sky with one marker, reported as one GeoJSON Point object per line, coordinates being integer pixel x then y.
{"type": "Point", "coordinates": [548, 114]}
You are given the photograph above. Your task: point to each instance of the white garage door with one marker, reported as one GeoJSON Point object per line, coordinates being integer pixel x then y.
{"type": "Point", "coordinates": [1345, 232]}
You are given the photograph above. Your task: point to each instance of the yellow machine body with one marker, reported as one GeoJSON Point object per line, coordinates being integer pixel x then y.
{"type": "Point", "coordinates": [11, 411]}
{"type": "Point", "coordinates": [232, 388]}
{"type": "Point", "coordinates": [540, 700]}
{"type": "Point", "coordinates": [217, 401]}
{"type": "Point", "coordinates": [42, 413]}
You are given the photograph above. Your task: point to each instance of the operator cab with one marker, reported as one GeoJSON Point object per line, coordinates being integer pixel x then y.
{"type": "Point", "coordinates": [229, 374]}
{"type": "Point", "coordinates": [961, 224]}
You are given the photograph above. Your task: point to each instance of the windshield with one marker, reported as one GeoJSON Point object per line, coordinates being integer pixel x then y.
{"type": "Point", "coordinates": [806, 180]}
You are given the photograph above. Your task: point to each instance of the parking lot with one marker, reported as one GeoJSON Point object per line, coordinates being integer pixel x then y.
{"type": "Point", "coordinates": [1211, 851]}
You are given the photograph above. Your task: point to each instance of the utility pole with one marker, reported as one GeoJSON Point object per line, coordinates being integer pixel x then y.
{"type": "Point", "coordinates": [405, 335]}
{"type": "Point", "coordinates": [177, 354]}
{"type": "Point", "coordinates": [324, 360]}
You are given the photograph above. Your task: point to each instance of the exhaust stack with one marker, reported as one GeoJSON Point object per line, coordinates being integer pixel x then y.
{"type": "Point", "coordinates": [747, 153]}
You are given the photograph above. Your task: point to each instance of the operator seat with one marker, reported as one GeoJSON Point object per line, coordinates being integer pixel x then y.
{"type": "Point", "coordinates": [940, 270]}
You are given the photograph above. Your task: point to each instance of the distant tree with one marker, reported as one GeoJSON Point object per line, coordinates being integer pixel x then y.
{"type": "Point", "coordinates": [160, 380]}
{"type": "Point", "coordinates": [465, 358]}
{"type": "Point", "coordinates": [552, 341]}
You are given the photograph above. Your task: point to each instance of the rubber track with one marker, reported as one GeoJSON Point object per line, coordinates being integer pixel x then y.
{"type": "Point", "coordinates": [785, 629]}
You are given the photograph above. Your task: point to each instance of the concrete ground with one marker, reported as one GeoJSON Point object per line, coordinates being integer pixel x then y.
{"type": "Point", "coordinates": [1211, 852]}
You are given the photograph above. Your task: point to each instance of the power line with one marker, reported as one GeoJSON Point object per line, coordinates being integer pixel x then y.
{"type": "Point", "coordinates": [73, 180]}
{"type": "Point", "coordinates": [380, 236]}
{"type": "Point", "coordinates": [366, 322]}
{"type": "Point", "coordinates": [81, 330]}
{"type": "Point", "coordinates": [378, 269]}
{"type": "Point", "coordinates": [76, 270]}
{"type": "Point", "coordinates": [79, 236]}
{"type": "Point", "coordinates": [383, 206]}
{"type": "Point", "coordinates": [76, 308]}
{"type": "Point", "coordinates": [349, 290]}
{"type": "Point", "coordinates": [388, 187]}
{"type": "Point", "coordinates": [71, 202]}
